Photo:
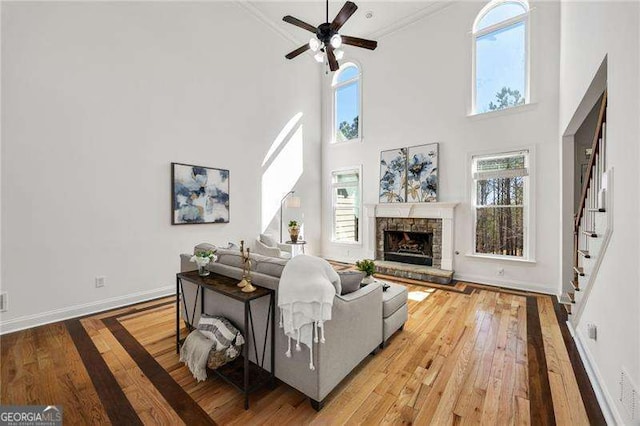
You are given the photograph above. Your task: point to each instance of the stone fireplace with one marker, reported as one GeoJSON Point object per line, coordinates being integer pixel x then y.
{"type": "Point", "coordinates": [409, 240]}
{"type": "Point", "coordinates": [423, 223]}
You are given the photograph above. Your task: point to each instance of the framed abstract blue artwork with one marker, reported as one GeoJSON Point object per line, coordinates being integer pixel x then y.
{"type": "Point", "coordinates": [199, 194]}
{"type": "Point", "coordinates": [393, 172]}
{"type": "Point", "coordinates": [422, 173]}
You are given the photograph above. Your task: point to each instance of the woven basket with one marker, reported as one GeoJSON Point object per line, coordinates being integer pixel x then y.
{"type": "Point", "coordinates": [218, 358]}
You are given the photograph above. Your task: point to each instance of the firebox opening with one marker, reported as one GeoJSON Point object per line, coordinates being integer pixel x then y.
{"type": "Point", "coordinates": [409, 247]}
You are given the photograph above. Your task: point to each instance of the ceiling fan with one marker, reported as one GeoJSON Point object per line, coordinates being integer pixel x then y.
{"type": "Point", "coordinates": [327, 41]}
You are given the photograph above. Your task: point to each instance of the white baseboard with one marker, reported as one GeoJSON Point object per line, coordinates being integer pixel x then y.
{"type": "Point", "coordinates": [607, 404]}
{"type": "Point", "coordinates": [512, 284]}
{"type": "Point", "coordinates": [28, 321]}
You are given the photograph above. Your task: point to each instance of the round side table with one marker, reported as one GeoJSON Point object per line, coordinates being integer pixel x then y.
{"type": "Point", "coordinates": [297, 247]}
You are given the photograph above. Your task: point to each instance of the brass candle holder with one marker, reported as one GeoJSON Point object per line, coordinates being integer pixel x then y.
{"type": "Point", "coordinates": [248, 287]}
{"type": "Point", "coordinates": [243, 282]}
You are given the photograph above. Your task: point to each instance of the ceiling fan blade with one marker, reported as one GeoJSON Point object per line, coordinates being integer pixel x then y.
{"type": "Point", "coordinates": [298, 23]}
{"type": "Point", "coordinates": [333, 63]}
{"type": "Point", "coordinates": [345, 13]}
{"type": "Point", "coordinates": [360, 42]}
{"type": "Point", "coordinates": [300, 50]}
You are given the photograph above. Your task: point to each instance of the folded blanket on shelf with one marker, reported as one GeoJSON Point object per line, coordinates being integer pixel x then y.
{"type": "Point", "coordinates": [195, 352]}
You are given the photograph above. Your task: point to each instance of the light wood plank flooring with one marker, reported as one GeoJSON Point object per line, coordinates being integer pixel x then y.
{"type": "Point", "coordinates": [468, 354]}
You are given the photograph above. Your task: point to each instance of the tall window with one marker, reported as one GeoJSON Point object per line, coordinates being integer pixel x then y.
{"type": "Point", "coordinates": [501, 202]}
{"type": "Point", "coordinates": [346, 87]}
{"type": "Point", "coordinates": [500, 38]}
{"type": "Point", "coordinates": [346, 205]}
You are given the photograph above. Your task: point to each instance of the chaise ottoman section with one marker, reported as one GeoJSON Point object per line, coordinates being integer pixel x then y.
{"type": "Point", "coordinates": [394, 309]}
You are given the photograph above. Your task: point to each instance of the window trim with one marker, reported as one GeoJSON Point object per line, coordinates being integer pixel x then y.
{"type": "Point", "coordinates": [332, 186]}
{"type": "Point", "coordinates": [529, 223]}
{"type": "Point", "coordinates": [475, 34]}
{"type": "Point", "coordinates": [334, 87]}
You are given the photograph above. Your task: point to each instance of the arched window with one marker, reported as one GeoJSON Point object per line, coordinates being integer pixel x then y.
{"type": "Point", "coordinates": [346, 87]}
{"type": "Point", "coordinates": [500, 46]}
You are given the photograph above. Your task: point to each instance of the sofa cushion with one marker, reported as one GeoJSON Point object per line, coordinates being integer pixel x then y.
{"type": "Point", "coordinates": [230, 257]}
{"type": "Point", "coordinates": [350, 281]}
{"type": "Point", "coordinates": [271, 266]}
{"type": "Point", "coordinates": [392, 299]}
{"type": "Point", "coordinates": [204, 247]}
{"type": "Point", "coordinates": [268, 240]}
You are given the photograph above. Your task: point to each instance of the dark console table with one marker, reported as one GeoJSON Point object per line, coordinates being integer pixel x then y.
{"type": "Point", "coordinates": [242, 374]}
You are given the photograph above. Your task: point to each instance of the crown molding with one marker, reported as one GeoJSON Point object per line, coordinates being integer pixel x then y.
{"type": "Point", "coordinates": [274, 26]}
{"type": "Point", "coordinates": [399, 25]}
{"type": "Point", "coordinates": [257, 13]}
{"type": "Point", "coordinates": [403, 23]}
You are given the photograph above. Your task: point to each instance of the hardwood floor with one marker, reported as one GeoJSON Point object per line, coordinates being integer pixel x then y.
{"type": "Point", "coordinates": [468, 354]}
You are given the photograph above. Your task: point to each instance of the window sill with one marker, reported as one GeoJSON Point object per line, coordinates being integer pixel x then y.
{"type": "Point", "coordinates": [346, 243]}
{"type": "Point", "coordinates": [501, 258]}
{"type": "Point", "coordinates": [349, 142]}
{"type": "Point", "coordinates": [507, 111]}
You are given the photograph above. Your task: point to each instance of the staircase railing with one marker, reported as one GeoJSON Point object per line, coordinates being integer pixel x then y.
{"type": "Point", "coordinates": [590, 199]}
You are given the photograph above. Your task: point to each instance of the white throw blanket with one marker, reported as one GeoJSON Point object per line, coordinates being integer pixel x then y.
{"type": "Point", "coordinates": [195, 353]}
{"type": "Point", "coordinates": [305, 299]}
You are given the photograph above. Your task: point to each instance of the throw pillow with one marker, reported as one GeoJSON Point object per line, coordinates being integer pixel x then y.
{"type": "Point", "coordinates": [268, 240]}
{"type": "Point", "coordinates": [221, 331]}
{"type": "Point", "coordinates": [350, 281]}
{"type": "Point", "coordinates": [204, 247]}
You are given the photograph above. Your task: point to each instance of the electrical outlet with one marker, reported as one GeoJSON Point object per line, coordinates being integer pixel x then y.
{"type": "Point", "coordinates": [629, 397]}
{"type": "Point", "coordinates": [501, 272]}
{"type": "Point", "coordinates": [592, 331]}
{"type": "Point", "coordinates": [4, 302]}
{"type": "Point", "coordinates": [100, 281]}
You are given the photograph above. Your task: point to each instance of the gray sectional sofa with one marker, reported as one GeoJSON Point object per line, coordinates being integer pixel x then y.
{"type": "Point", "coordinates": [361, 321]}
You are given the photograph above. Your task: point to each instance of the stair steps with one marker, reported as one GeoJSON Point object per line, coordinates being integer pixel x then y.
{"type": "Point", "coordinates": [584, 253]}
{"type": "Point", "coordinates": [591, 227]}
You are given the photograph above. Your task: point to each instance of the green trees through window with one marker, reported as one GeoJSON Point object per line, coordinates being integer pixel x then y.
{"type": "Point", "coordinates": [500, 200]}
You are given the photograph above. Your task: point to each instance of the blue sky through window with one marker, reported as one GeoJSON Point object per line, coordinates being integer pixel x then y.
{"type": "Point", "coordinates": [347, 101]}
{"type": "Point", "coordinates": [500, 62]}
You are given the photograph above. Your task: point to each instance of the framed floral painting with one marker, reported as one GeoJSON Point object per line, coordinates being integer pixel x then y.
{"type": "Point", "coordinates": [393, 176]}
{"type": "Point", "coordinates": [422, 173]}
{"type": "Point", "coordinates": [199, 194]}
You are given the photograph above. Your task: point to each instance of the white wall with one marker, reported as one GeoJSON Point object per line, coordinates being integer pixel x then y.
{"type": "Point", "coordinates": [591, 30]}
{"type": "Point", "coordinates": [98, 99]}
{"type": "Point", "coordinates": [416, 89]}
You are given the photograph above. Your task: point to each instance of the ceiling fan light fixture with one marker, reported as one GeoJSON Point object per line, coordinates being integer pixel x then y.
{"type": "Point", "coordinates": [339, 54]}
{"type": "Point", "coordinates": [319, 57]}
{"type": "Point", "coordinates": [314, 44]}
{"type": "Point", "coordinates": [336, 41]}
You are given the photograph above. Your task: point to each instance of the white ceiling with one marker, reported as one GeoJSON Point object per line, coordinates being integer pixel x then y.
{"type": "Point", "coordinates": [387, 16]}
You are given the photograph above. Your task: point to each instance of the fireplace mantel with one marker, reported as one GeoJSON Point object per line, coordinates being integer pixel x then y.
{"type": "Point", "coordinates": [444, 211]}
{"type": "Point", "coordinates": [412, 210]}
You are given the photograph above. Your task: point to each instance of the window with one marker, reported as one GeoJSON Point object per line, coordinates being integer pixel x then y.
{"type": "Point", "coordinates": [500, 203]}
{"type": "Point", "coordinates": [500, 39]}
{"type": "Point", "coordinates": [347, 125]}
{"type": "Point", "coordinates": [346, 205]}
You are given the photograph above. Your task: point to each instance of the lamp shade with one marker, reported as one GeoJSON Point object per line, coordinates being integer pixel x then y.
{"type": "Point", "coordinates": [292, 202]}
